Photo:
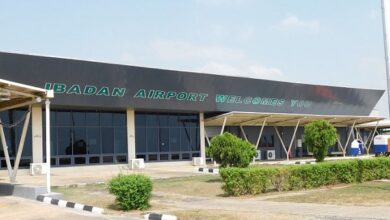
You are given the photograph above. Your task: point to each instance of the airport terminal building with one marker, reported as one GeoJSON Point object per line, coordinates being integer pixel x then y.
{"type": "Point", "coordinates": [109, 113]}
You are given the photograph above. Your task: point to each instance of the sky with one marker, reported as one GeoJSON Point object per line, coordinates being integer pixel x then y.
{"type": "Point", "coordinates": [327, 42]}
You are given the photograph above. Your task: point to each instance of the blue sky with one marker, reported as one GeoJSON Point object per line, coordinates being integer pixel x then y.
{"type": "Point", "coordinates": [327, 42]}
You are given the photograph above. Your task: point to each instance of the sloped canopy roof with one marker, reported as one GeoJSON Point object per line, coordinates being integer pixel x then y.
{"type": "Point", "coordinates": [14, 95]}
{"type": "Point", "coordinates": [280, 119]}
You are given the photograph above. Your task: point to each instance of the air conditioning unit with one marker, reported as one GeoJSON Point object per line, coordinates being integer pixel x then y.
{"type": "Point", "coordinates": [198, 161]}
{"type": "Point", "coordinates": [270, 154]}
{"type": "Point", "coordinates": [38, 168]}
{"type": "Point", "coordinates": [136, 164]}
{"type": "Point", "coordinates": [258, 155]}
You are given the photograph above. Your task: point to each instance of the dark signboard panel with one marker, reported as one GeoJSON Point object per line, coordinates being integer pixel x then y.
{"type": "Point", "coordinates": [84, 84]}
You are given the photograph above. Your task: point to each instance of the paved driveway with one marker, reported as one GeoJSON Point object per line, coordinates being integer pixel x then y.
{"type": "Point", "coordinates": [14, 208]}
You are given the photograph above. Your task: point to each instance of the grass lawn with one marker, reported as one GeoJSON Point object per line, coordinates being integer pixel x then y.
{"type": "Point", "coordinates": [203, 185]}
{"type": "Point", "coordinates": [98, 195]}
{"type": "Point", "coordinates": [373, 193]}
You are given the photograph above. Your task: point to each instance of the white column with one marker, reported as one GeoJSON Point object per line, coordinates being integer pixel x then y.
{"type": "Point", "coordinates": [130, 133]}
{"type": "Point", "coordinates": [21, 145]}
{"type": "Point", "coordinates": [202, 137]}
{"type": "Point", "coordinates": [37, 143]}
{"type": "Point", "coordinates": [48, 154]}
{"type": "Point", "coordinates": [223, 125]}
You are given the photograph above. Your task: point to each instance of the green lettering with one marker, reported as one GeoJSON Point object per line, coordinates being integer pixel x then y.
{"type": "Point", "coordinates": [151, 94]}
{"type": "Point", "coordinates": [118, 92]}
{"type": "Point", "coordinates": [89, 90]}
{"type": "Point", "coordinates": [59, 88]}
{"type": "Point", "coordinates": [104, 91]}
{"type": "Point", "coordinates": [170, 94]}
{"type": "Point", "coordinates": [274, 102]}
{"type": "Point", "coordinates": [74, 89]}
{"type": "Point", "coordinates": [248, 100]}
{"type": "Point", "coordinates": [47, 86]}
{"type": "Point", "coordinates": [182, 96]}
{"type": "Point", "coordinates": [238, 100]}
{"type": "Point", "coordinates": [221, 98]}
{"type": "Point", "coordinates": [280, 102]}
{"type": "Point", "coordinates": [231, 99]}
{"type": "Point", "coordinates": [256, 100]}
{"type": "Point", "coordinates": [140, 94]}
{"type": "Point", "coordinates": [192, 96]}
{"type": "Point", "coordinates": [202, 96]}
{"type": "Point", "coordinates": [159, 94]}
{"type": "Point", "coordinates": [293, 102]}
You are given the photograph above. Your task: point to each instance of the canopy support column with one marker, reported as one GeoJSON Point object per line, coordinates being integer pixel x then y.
{"type": "Point", "coordinates": [21, 145]}
{"type": "Point", "coordinates": [287, 150]}
{"type": "Point", "coordinates": [207, 137]}
{"type": "Point", "coordinates": [223, 125]}
{"type": "Point", "coordinates": [5, 150]}
{"type": "Point", "coordinates": [344, 148]}
{"type": "Point", "coordinates": [372, 137]}
{"type": "Point", "coordinates": [260, 133]}
{"type": "Point", "coordinates": [243, 132]}
{"type": "Point", "coordinates": [48, 154]}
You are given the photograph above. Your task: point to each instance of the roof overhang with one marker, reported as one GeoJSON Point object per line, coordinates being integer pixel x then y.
{"type": "Point", "coordinates": [14, 95]}
{"type": "Point", "coordinates": [284, 119]}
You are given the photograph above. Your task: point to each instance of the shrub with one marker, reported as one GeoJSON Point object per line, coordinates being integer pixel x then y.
{"type": "Point", "coordinates": [319, 136]}
{"type": "Point", "coordinates": [131, 191]}
{"type": "Point", "coordinates": [229, 150]}
{"type": "Point", "coordinates": [242, 181]}
{"type": "Point", "coordinates": [255, 180]}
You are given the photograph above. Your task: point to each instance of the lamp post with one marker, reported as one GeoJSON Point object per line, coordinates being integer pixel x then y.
{"type": "Point", "coordinates": [385, 18]}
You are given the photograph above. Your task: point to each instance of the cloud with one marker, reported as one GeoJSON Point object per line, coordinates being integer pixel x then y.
{"type": "Point", "coordinates": [182, 50]}
{"type": "Point", "coordinates": [294, 23]}
{"type": "Point", "coordinates": [187, 56]}
{"type": "Point", "coordinates": [252, 71]}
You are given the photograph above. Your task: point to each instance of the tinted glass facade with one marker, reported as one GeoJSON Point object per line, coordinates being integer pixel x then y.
{"type": "Point", "coordinates": [86, 137]}
{"type": "Point", "coordinates": [163, 136]}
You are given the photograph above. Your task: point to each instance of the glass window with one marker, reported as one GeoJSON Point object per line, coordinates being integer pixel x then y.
{"type": "Point", "coordinates": [140, 120]}
{"type": "Point", "coordinates": [120, 140]}
{"type": "Point", "coordinates": [119, 119]}
{"type": "Point", "coordinates": [152, 139]}
{"type": "Point", "coordinates": [195, 139]}
{"type": "Point", "coordinates": [140, 140]}
{"type": "Point", "coordinates": [174, 139]}
{"type": "Point", "coordinates": [79, 141]}
{"type": "Point", "coordinates": [27, 149]}
{"type": "Point", "coordinates": [65, 161]}
{"type": "Point", "coordinates": [151, 120]}
{"type": "Point", "coordinates": [106, 119]}
{"type": "Point", "coordinates": [108, 159]}
{"type": "Point", "coordinates": [163, 120]}
{"type": "Point", "coordinates": [174, 121]}
{"type": "Point", "coordinates": [79, 160]}
{"type": "Point", "coordinates": [185, 139]}
{"type": "Point", "coordinates": [93, 141]}
{"type": "Point", "coordinates": [92, 119]}
{"type": "Point", "coordinates": [94, 160]}
{"type": "Point", "coordinates": [78, 118]}
{"type": "Point", "coordinates": [64, 141]}
{"type": "Point", "coordinates": [164, 139]}
{"type": "Point", "coordinates": [107, 139]}
{"type": "Point", "coordinates": [63, 119]}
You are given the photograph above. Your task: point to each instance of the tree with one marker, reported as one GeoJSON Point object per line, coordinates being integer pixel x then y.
{"type": "Point", "coordinates": [319, 136]}
{"type": "Point", "coordinates": [230, 150]}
